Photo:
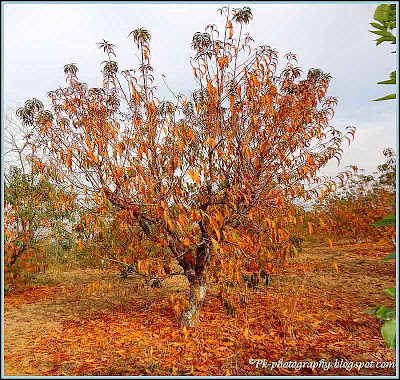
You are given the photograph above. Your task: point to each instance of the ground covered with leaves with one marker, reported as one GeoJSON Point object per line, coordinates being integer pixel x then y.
{"type": "Point", "coordinates": [91, 322]}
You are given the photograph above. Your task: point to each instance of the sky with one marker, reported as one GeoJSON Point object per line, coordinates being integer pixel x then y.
{"type": "Point", "coordinates": [39, 39]}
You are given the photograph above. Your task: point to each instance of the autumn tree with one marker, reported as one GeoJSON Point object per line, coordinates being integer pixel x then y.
{"type": "Point", "coordinates": [34, 208]}
{"type": "Point", "coordinates": [358, 203]}
{"type": "Point", "coordinates": [211, 178]}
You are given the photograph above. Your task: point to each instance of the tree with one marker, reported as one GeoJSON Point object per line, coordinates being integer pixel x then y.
{"type": "Point", "coordinates": [210, 179]}
{"type": "Point", "coordinates": [34, 208]}
{"type": "Point", "coordinates": [358, 203]}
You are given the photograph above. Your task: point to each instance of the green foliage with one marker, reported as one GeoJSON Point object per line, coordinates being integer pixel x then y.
{"type": "Point", "coordinates": [385, 14]}
{"type": "Point", "coordinates": [388, 331]}
{"type": "Point", "coordinates": [371, 310]}
{"type": "Point", "coordinates": [390, 256]}
{"type": "Point", "coordinates": [388, 314]}
{"type": "Point", "coordinates": [35, 211]}
{"type": "Point", "coordinates": [390, 220]}
{"type": "Point", "coordinates": [391, 292]}
{"type": "Point", "coordinates": [7, 288]}
{"type": "Point", "coordinates": [27, 113]}
{"type": "Point", "coordinates": [392, 79]}
{"type": "Point", "coordinates": [385, 313]}
{"type": "Point", "coordinates": [387, 97]}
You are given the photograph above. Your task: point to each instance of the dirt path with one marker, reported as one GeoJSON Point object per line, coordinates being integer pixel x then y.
{"type": "Point", "coordinates": [310, 311]}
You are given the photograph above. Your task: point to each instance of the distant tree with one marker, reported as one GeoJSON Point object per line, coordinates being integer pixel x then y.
{"type": "Point", "coordinates": [361, 201]}
{"type": "Point", "coordinates": [34, 208]}
{"type": "Point", "coordinates": [209, 179]}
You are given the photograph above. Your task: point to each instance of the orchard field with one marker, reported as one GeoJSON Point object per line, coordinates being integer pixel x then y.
{"type": "Point", "coordinates": [196, 235]}
{"type": "Point", "coordinates": [309, 311]}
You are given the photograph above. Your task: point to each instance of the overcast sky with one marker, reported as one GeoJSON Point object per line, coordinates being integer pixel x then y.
{"type": "Point", "coordinates": [39, 39]}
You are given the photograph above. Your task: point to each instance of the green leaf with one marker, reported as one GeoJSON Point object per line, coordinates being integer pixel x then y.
{"type": "Point", "coordinates": [389, 81]}
{"type": "Point", "coordinates": [385, 313]}
{"type": "Point", "coordinates": [382, 13]}
{"type": "Point", "coordinates": [390, 256]}
{"type": "Point", "coordinates": [372, 310]}
{"type": "Point", "coordinates": [392, 79]}
{"type": "Point", "coordinates": [391, 292]}
{"type": "Point", "coordinates": [390, 220]}
{"type": "Point", "coordinates": [388, 331]}
{"type": "Point", "coordinates": [390, 24]}
{"type": "Point", "coordinates": [383, 33]}
{"type": "Point", "coordinates": [387, 97]}
{"type": "Point", "coordinates": [384, 39]}
{"type": "Point", "coordinates": [7, 288]}
{"type": "Point", "coordinates": [377, 26]}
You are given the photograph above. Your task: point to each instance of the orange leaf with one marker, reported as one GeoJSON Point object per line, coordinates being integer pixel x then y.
{"type": "Point", "coordinates": [194, 175]}
{"type": "Point", "coordinates": [336, 267]}
{"type": "Point", "coordinates": [211, 142]}
{"type": "Point", "coordinates": [170, 224]}
{"type": "Point", "coordinates": [238, 277]}
{"type": "Point", "coordinates": [80, 244]}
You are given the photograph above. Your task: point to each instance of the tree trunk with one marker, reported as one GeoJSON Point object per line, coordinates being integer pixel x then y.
{"type": "Point", "coordinates": [194, 271]}
{"type": "Point", "coordinates": [16, 254]}
{"type": "Point", "coordinates": [190, 318]}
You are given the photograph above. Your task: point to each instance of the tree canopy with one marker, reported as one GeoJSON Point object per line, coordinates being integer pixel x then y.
{"type": "Point", "coordinates": [209, 179]}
